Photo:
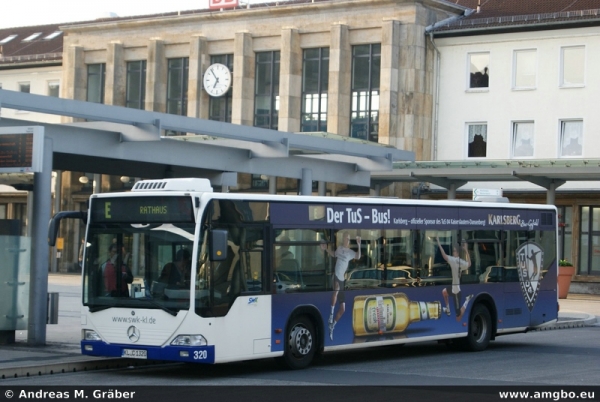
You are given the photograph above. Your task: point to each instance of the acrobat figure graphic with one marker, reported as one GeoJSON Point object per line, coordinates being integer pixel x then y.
{"type": "Point", "coordinates": [344, 255]}
{"type": "Point", "coordinates": [457, 265]}
{"type": "Point", "coordinates": [533, 258]}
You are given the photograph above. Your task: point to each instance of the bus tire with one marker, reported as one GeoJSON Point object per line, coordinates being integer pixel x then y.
{"type": "Point", "coordinates": [480, 329]}
{"type": "Point", "coordinates": [300, 344]}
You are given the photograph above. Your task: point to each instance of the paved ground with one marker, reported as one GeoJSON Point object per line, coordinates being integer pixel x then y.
{"type": "Point", "coordinates": [62, 351]}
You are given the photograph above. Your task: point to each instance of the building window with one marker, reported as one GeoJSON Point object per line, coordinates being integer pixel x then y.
{"type": "Point", "coordinates": [266, 96]}
{"type": "Point", "coordinates": [95, 82]}
{"type": "Point", "coordinates": [7, 39]}
{"type": "Point", "coordinates": [177, 87]}
{"type": "Point", "coordinates": [522, 139]}
{"type": "Point", "coordinates": [54, 88]}
{"type": "Point", "coordinates": [53, 35]}
{"type": "Point", "coordinates": [135, 96]}
{"type": "Point", "coordinates": [32, 37]}
{"type": "Point", "coordinates": [220, 107]}
{"type": "Point", "coordinates": [571, 138]}
{"type": "Point", "coordinates": [25, 87]}
{"type": "Point", "coordinates": [565, 232]}
{"type": "Point", "coordinates": [315, 84]}
{"type": "Point", "coordinates": [366, 70]}
{"type": "Point", "coordinates": [479, 70]}
{"type": "Point", "coordinates": [477, 133]}
{"type": "Point", "coordinates": [589, 238]}
{"type": "Point", "coordinates": [524, 69]}
{"type": "Point", "coordinates": [572, 62]}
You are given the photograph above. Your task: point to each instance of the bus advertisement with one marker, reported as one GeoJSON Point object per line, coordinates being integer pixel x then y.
{"type": "Point", "coordinates": [176, 272]}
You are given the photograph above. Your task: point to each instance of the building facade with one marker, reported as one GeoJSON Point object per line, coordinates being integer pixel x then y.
{"type": "Point", "coordinates": [517, 82]}
{"type": "Point", "coordinates": [354, 68]}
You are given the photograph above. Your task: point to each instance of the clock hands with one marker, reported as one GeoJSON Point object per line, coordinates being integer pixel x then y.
{"type": "Point", "coordinates": [216, 78]}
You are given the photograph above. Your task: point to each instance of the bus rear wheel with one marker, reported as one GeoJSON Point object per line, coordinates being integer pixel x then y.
{"type": "Point", "coordinates": [300, 344]}
{"type": "Point", "coordinates": [480, 329]}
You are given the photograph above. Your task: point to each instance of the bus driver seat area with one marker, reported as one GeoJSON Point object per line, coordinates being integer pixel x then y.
{"type": "Point", "coordinates": [228, 276]}
{"type": "Point", "coordinates": [291, 268]}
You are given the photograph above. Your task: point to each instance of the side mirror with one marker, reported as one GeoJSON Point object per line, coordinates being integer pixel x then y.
{"type": "Point", "coordinates": [54, 223]}
{"type": "Point", "coordinates": [217, 244]}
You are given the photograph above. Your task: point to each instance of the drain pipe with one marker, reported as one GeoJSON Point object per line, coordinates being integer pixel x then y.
{"type": "Point", "coordinates": [436, 100]}
{"type": "Point", "coordinates": [436, 79]}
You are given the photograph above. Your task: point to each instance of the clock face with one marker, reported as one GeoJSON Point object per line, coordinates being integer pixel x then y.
{"type": "Point", "coordinates": [217, 79]}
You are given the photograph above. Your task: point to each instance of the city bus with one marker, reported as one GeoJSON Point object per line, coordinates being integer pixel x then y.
{"type": "Point", "coordinates": [173, 271]}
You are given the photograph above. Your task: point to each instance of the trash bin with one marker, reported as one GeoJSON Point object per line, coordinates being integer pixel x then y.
{"type": "Point", "coordinates": [52, 316]}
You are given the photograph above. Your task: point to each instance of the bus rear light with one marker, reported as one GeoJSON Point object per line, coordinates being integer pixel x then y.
{"type": "Point", "coordinates": [90, 335]}
{"type": "Point", "coordinates": [189, 340]}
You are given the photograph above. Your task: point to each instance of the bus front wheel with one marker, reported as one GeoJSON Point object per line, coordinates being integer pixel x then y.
{"type": "Point", "coordinates": [480, 329]}
{"type": "Point", "coordinates": [300, 344]}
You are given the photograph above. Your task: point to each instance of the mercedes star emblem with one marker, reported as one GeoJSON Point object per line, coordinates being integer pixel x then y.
{"type": "Point", "coordinates": [133, 334]}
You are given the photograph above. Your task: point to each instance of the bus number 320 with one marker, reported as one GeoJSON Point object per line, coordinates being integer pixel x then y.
{"type": "Point", "coordinates": [200, 354]}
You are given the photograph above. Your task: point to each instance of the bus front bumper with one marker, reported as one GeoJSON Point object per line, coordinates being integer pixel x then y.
{"type": "Point", "coordinates": [191, 354]}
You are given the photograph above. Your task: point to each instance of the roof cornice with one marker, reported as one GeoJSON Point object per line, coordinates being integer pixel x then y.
{"type": "Point", "coordinates": [517, 23]}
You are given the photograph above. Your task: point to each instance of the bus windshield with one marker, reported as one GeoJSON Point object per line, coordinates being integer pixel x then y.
{"type": "Point", "coordinates": [138, 265]}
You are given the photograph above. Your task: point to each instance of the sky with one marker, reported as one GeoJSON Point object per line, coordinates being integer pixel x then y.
{"type": "Point", "coordinates": [40, 12]}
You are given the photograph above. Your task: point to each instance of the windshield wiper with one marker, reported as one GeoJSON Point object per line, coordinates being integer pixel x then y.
{"type": "Point", "coordinates": [157, 304]}
{"type": "Point", "coordinates": [94, 309]}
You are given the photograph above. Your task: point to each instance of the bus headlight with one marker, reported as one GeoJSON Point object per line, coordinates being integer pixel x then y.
{"type": "Point", "coordinates": [189, 340]}
{"type": "Point", "coordinates": [89, 335]}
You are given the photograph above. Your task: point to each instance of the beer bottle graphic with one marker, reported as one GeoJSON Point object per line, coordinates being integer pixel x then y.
{"type": "Point", "coordinates": [390, 313]}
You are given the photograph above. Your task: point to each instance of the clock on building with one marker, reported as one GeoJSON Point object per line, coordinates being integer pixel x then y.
{"type": "Point", "coordinates": [217, 79]}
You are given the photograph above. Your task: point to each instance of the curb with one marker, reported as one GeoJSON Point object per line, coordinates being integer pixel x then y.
{"type": "Point", "coordinates": [572, 320]}
{"type": "Point", "coordinates": [72, 367]}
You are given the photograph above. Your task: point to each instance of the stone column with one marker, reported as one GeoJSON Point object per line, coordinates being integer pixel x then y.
{"type": "Point", "coordinates": [388, 89]}
{"type": "Point", "coordinates": [199, 62]}
{"type": "Point", "coordinates": [156, 77]}
{"type": "Point", "coordinates": [340, 70]}
{"type": "Point", "coordinates": [415, 110]}
{"type": "Point", "coordinates": [243, 80]}
{"type": "Point", "coordinates": [74, 75]}
{"type": "Point", "coordinates": [290, 81]}
{"type": "Point", "coordinates": [114, 93]}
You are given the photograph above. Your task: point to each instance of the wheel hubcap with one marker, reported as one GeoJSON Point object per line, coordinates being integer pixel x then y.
{"type": "Point", "coordinates": [300, 341]}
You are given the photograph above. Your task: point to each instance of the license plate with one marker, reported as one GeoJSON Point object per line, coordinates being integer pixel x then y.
{"type": "Point", "coordinates": [135, 353]}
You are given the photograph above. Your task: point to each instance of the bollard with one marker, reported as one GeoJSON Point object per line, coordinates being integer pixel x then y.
{"type": "Point", "coordinates": [52, 316]}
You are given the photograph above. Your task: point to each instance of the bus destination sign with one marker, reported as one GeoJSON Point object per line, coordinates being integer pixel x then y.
{"type": "Point", "coordinates": [157, 209]}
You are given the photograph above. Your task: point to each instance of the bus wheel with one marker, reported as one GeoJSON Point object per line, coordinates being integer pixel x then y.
{"type": "Point", "coordinates": [480, 329]}
{"type": "Point", "coordinates": [300, 345]}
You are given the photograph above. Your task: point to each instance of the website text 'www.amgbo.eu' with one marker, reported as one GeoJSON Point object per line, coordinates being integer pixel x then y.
{"type": "Point", "coordinates": [552, 395]}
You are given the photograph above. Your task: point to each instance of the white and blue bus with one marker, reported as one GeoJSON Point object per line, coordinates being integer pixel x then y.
{"type": "Point", "coordinates": [173, 271]}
